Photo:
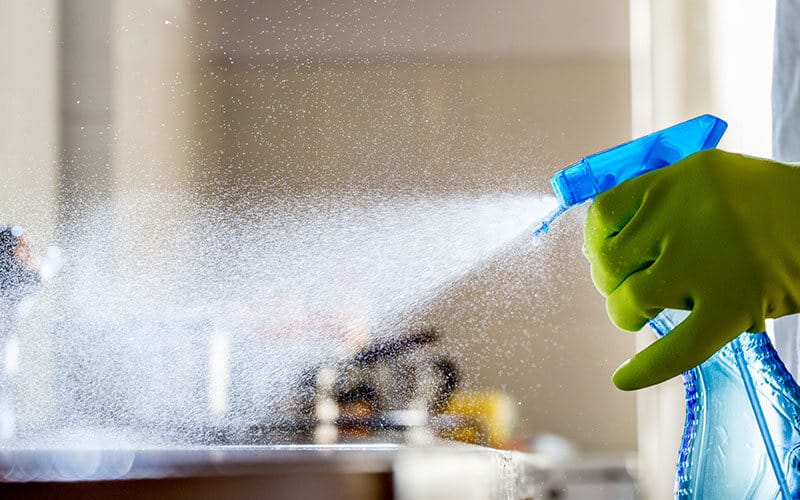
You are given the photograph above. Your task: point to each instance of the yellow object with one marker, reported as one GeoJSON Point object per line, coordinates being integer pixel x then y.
{"type": "Point", "coordinates": [485, 418]}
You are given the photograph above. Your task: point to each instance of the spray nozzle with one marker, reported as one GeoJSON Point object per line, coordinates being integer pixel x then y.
{"type": "Point", "coordinates": [602, 171]}
{"type": "Point", "coordinates": [607, 169]}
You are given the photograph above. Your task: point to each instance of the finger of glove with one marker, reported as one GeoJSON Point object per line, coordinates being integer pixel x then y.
{"type": "Point", "coordinates": [690, 343]}
{"type": "Point", "coordinates": [612, 210]}
{"type": "Point", "coordinates": [641, 297]}
{"type": "Point", "coordinates": [635, 248]}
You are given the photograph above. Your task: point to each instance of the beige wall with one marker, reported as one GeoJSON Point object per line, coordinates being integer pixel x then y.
{"type": "Point", "coordinates": [153, 114]}
{"type": "Point", "coordinates": [436, 96]}
{"type": "Point", "coordinates": [29, 104]}
{"type": "Point", "coordinates": [29, 145]}
{"type": "Point", "coordinates": [492, 109]}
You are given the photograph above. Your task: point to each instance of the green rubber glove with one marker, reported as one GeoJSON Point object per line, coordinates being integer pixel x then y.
{"type": "Point", "coordinates": [718, 234]}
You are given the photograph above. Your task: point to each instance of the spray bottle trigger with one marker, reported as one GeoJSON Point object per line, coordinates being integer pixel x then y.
{"type": "Point", "coordinates": [662, 154]}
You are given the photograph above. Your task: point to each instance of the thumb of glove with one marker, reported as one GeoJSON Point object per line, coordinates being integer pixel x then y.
{"type": "Point", "coordinates": [693, 341]}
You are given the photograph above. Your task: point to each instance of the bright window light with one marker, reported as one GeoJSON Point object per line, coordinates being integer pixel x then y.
{"type": "Point", "coordinates": [741, 40]}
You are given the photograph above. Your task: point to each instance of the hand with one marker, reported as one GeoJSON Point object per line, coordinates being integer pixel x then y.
{"type": "Point", "coordinates": [716, 233]}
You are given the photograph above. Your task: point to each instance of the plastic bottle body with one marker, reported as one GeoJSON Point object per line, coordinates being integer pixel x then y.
{"type": "Point", "coordinates": [723, 453]}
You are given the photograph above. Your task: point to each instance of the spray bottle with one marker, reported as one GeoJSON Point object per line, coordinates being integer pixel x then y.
{"type": "Point", "coordinates": [741, 437]}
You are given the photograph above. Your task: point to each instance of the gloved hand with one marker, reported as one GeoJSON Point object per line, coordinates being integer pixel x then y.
{"type": "Point", "coordinates": [718, 234]}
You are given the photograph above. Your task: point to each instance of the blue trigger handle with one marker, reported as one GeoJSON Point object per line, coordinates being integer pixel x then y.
{"type": "Point", "coordinates": [602, 171]}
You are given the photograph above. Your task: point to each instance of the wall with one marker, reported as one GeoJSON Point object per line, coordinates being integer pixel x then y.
{"type": "Point", "coordinates": [438, 97]}
{"type": "Point", "coordinates": [29, 95]}
{"type": "Point", "coordinates": [445, 98]}
{"type": "Point", "coordinates": [29, 148]}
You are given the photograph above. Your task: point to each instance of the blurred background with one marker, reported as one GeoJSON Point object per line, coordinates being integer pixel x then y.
{"type": "Point", "coordinates": [99, 97]}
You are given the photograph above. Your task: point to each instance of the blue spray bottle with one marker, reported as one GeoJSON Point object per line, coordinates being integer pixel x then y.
{"type": "Point", "coordinates": [741, 437]}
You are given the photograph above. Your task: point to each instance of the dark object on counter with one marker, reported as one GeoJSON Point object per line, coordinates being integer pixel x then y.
{"type": "Point", "coordinates": [18, 275]}
{"type": "Point", "coordinates": [394, 348]}
{"type": "Point", "coordinates": [450, 381]}
{"type": "Point", "coordinates": [393, 384]}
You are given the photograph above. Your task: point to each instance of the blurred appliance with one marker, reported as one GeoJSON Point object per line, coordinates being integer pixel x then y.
{"type": "Point", "coordinates": [390, 390]}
